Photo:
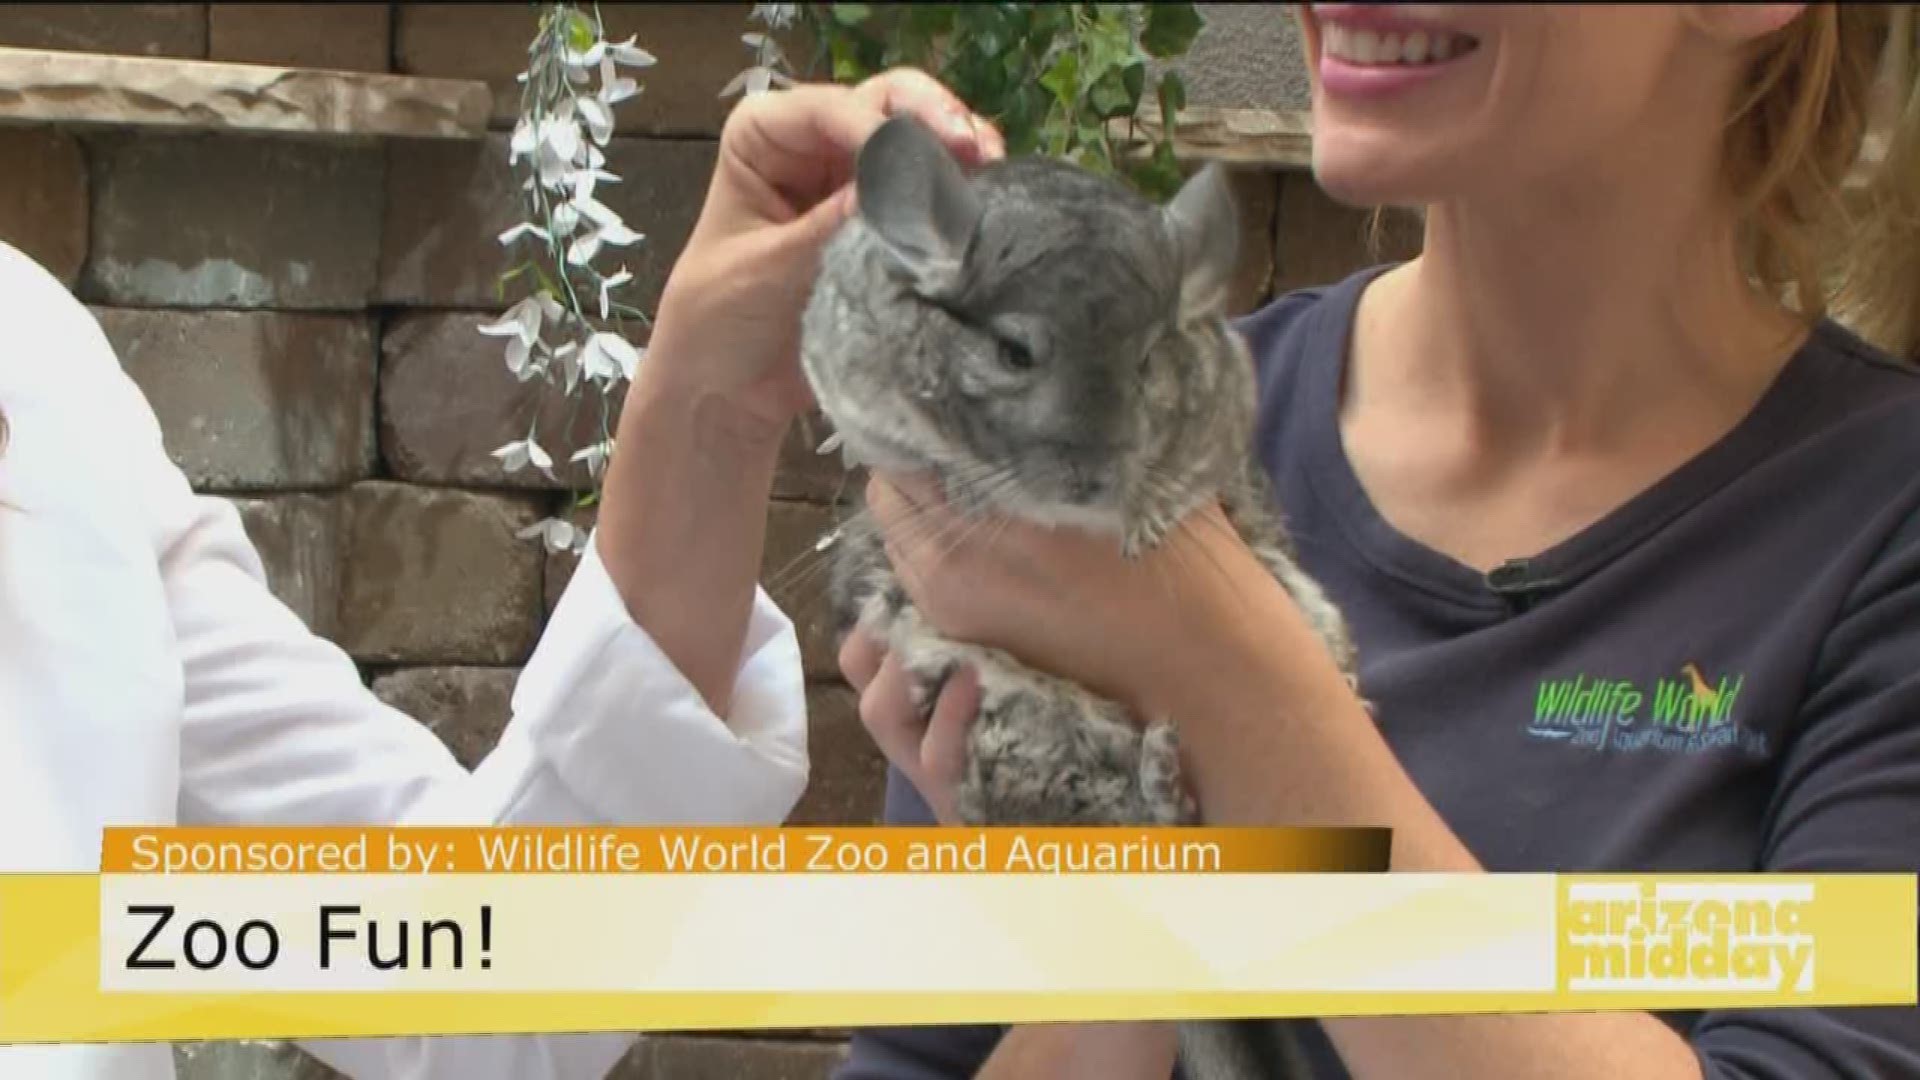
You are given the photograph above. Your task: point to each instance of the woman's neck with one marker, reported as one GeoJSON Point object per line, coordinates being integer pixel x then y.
{"type": "Point", "coordinates": [1550, 355]}
{"type": "Point", "coordinates": [1571, 316]}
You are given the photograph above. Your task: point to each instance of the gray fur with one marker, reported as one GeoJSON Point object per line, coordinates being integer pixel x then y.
{"type": "Point", "coordinates": [1053, 348]}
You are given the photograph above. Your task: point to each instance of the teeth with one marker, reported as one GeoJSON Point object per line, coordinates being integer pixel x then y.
{"type": "Point", "coordinates": [1358, 46]}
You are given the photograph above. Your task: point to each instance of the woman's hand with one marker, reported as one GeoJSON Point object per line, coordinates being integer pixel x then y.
{"type": "Point", "coordinates": [729, 320]}
{"type": "Point", "coordinates": [1063, 601]}
{"type": "Point", "coordinates": [1066, 601]}
{"type": "Point", "coordinates": [683, 509]}
{"type": "Point", "coordinates": [931, 751]}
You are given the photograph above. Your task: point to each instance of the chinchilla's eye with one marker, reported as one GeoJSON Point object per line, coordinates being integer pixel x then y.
{"type": "Point", "coordinates": [1016, 355]}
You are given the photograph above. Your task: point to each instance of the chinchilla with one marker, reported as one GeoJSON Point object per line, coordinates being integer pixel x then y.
{"type": "Point", "coordinates": [1051, 347]}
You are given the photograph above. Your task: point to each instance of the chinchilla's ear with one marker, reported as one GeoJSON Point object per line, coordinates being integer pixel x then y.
{"type": "Point", "coordinates": [913, 194]}
{"type": "Point", "coordinates": [1205, 229]}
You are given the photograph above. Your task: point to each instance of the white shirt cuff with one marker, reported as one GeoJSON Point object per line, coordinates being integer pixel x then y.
{"type": "Point", "coordinates": [628, 737]}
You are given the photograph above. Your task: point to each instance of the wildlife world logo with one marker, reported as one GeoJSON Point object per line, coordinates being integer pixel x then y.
{"type": "Point", "coordinates": [1684, 713]}
{"type": "Point", "coordinates": [1687, 936]}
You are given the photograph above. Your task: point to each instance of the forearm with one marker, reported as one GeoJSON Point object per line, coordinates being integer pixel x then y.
{"type": "Point", "coordinates": [1572, 1046]}
{"type": "Point", "coordinates": [1282, 740]}
{"type": "Point", "coordinates": [1118, 1051]}
{"type": "Point", "coordinates": [683, 521]}
{"type": "Point", "coordinates": [1273, 735]}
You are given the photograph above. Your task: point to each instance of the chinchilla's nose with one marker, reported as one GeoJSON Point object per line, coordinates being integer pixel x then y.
{"type": "Point", "coordinates": [1088, 478]}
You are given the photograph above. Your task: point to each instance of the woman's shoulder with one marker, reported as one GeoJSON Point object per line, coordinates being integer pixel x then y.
{"type": "Point", "coordinates": [53, 342]}
{"type": "Point", "coordinates": [1298, 332]}
{"type": "Point", "coordinates": [1296, 310]}
{"type": "Point", "coordinates": [73, 415]}
{"type": "Point", "coordinates": [1863, 366]}
{"type": "Point", "coordinates": [1855, 399]}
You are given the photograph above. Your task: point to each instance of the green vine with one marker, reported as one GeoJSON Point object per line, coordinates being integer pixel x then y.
{"type": "Point", "coordinates": [1053, 76]}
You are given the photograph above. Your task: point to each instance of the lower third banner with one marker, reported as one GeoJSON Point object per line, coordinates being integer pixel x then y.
{"type": "Point", "coordinates": [196, 942]}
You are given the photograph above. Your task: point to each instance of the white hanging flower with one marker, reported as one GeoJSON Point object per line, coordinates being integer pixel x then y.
{"type": "Point", "coordinates": [615, 87]}
{"type": "Point", "coordinates": [556, 535]}
{"type": "Point", "coordinates": [584, 181]}
{"type": "Point", "coordinates": [754, 80]}
{"type": "Point", "coordinates": [778, 16]}
{"type": "Point", "coordinates": [524, 139]}
{"type": "Point", "coordinates": [767, 48]}
{"type": "Point", "coordinates": [559, 143]}
{"type": "Point", "coordinates": [521, 323]}
{"type": "Point", "coordinates": [617, 234]}
{"type": "Point", "coordinates": [607, 285]}
{"type": "Point", "coordinates": [608, 356]}
{"type": "Point", "coordinates": [584, 248]}
{"type": "Point", "coordinates": [525, 228]}
{"type": "Point", "coordinates": [629, 54]}
{"type": "Point", "coordinates": [588, 57]}
{"type": "Point", "coordinates": [587, 245]}
{"type": "Point", "coordinates": [522, 320]}
{"type": "Point", "coordinates": [595, 456]}
{"type": "Point", "coordinates": [567, 356]}
{"type": "Point", "coordinates": [599, 119]}
{"type": "Point", "coordinates": [520, 453]}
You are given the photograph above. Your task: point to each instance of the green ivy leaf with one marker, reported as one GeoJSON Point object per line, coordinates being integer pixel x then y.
{"type": "Point", "coordinates": [1109, 44]}
{"type": "Point", "coordinates": [1172, 93]}
{"type": "Point", "coordinates": [1134, 78]}
{"type": "Point", "coordinates": [1159, 176]}
{"type": "Point", "coordinates": [1057, 132]}
{"type": "Point", "coordinates": [1063, 79]}
{"type": "Point", "coordinates": [1050, 75]}
{"type": "Point", "coordinates": [1170, 30]}
{"type": "Point", "coordinates": [1109, 97]}
{"type": "Point", "coordinates": [930, 20]}
{"type": "Point", "coordinates": [851, 14]}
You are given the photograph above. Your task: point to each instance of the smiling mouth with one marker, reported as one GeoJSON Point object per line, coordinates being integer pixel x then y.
{"type": "Point", "coordinates": [1392, 48]}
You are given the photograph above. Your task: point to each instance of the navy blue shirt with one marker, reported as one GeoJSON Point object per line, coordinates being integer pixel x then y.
{"type": "Point", "coordinates": [1722, 674]}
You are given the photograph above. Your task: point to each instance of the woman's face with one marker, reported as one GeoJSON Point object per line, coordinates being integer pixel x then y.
{"type": "Point", "coordinates": [1423, 103]}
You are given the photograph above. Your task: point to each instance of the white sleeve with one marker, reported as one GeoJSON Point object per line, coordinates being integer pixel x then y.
{"type": "Point", "coordinates": [277, 728]}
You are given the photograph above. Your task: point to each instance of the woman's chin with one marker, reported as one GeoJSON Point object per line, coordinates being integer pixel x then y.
{"type": "Point", "coordinates": [1365, 173]}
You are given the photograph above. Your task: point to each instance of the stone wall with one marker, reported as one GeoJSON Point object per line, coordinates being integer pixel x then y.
{"type": "Point", "coordinates": [301, 313]}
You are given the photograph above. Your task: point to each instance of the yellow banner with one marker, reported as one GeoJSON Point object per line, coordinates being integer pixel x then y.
{"type": "Point", "coordinates": [200, 954]}
{"type": "Point", "coordinates": [739, 850]}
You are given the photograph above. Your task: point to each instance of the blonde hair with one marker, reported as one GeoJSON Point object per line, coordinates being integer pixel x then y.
{"type": "Point", "coordinates": [1824, 228]}
{"type": "Point", "coordinates": [1821, 229]}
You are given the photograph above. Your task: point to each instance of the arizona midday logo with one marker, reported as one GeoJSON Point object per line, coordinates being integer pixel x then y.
{"type": "Point", "coordinates": [1687, 713]}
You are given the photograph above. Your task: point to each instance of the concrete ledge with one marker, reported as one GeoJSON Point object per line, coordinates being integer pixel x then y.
{"type": "Point", "coordinates": [1249, 137]}
{"type": "Point", "coordinates": [43, 86]}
